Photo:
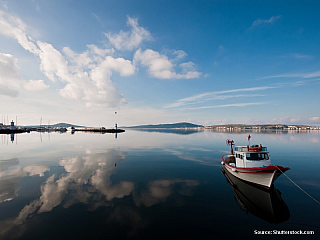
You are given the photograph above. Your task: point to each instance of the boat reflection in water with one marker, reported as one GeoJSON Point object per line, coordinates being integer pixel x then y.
{"type": "Point", "coordinates": [262, 203]}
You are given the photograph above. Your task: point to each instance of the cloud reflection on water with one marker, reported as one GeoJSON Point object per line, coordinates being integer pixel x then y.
{"type": "Point", "coordinates": [10, 174]}
{"type": "Point", "coordinates": [87, 180]}
{"type": "Point", "coordinates": [159, 190]}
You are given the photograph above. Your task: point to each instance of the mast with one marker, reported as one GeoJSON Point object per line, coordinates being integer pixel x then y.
{"type": "Point", "coordinates": [230, 143]}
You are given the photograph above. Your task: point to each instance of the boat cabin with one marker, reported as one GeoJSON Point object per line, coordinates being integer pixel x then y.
{"type": "Point", "coordinates": [251, 156]}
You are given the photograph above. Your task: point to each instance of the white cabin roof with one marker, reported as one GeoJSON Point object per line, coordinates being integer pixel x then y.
{"type": "Point", "coordinates": [245, 149]}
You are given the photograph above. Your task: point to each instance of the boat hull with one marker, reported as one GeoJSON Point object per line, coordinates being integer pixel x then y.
{"type": "Point", "coordinates": [263, 203]}
{"type": "Point", "coordinates": [262, 176]}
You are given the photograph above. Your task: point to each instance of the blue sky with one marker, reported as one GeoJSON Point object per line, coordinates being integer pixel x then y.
{"type": "Point", "coordinates": [206, 62]}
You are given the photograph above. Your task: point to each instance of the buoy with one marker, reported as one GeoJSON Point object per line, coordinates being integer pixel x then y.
{"type": "Point", "coordinates": [222, 162]}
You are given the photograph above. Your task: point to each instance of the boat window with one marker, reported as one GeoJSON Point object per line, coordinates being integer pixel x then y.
{"type": "Point", "coordinates": [257, 156]}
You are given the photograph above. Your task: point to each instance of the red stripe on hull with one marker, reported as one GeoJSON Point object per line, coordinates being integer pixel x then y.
{"type": "Point", "coordinates": [263, 176]}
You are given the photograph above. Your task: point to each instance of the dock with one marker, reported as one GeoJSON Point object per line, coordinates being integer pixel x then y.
{"type": "Point", "coordinates": [99, 130]}
{"type": "Point", "coordinates": [9, 131]}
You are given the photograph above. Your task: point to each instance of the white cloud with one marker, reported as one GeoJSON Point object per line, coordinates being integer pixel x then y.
{"type": "Point", "coordinates": [35, 85]}
{"type": "Point", "coordinates": [294, 75]}
{"type": "Point", "coordinates": [53, 64]}
{"type": "Point", "coordinates": [227, 105]}
{"type": "Point", "coordinates": [297, 56]}
{"type": "Point", "coordinates": [219, 95]}
{"type": "Point", "coordinates": [161, 67]}
{"type": "Point", "coordinates": [180, 54]}
{"type": "Point", "coordinates": [90, 76]}
{"type": "Point", "coordinates": [14, 27]}
{"type": "Point", "coordinates": [6, 91]}
{"type": "Point", "coordinates": [314, 119]}
{"type": "Point", "coordinates": [9, 75]}
{"type": "Point", "coordinates": [9, 68]}
{"type": "Point", "coordinates": [88, 58]}
{"type": "Point", "coordinates": [295, 120]}
{"type": "Point", "coordinates": [265, 21]}
{"type": "Point", "coordinates": [129, 40]}
{"type": "Point", "coordinates": [312, 75]}
{"type": "Point", "coordinates": [87, 76]}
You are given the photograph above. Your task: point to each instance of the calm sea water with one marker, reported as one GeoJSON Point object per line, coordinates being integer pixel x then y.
{"type": "Point", "coordinates": [152, 185]}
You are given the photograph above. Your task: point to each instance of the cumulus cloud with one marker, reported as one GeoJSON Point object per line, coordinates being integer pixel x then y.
{"type": "Point", "coordinates": [129, 40]}
{"type": "Point", "coordinates": [87, 76]}
{"type": "Point", "coordinates": [159, 66]}
{"type": "Point", "coordinates": [9, 75]}
{"type": "Point", "coordinates": [35, 85]}
{"type": "Point", "coordinates": [265, 21]}
{"type": "Point", "coordinates": [10, 79]}
{"type": "Point", "coordinates": [53, 64]}
{"type": "Point", "coordinates": [9, 68]}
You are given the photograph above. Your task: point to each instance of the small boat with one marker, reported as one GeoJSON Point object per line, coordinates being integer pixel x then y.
{"type": "Point", "coordinates": [252, 164]}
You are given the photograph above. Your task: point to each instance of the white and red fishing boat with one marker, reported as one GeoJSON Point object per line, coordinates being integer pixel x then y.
{"type": "Point", "coordinates": [252, 164]}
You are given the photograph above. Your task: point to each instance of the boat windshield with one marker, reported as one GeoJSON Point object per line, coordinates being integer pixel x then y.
{"type": "Point", "coordinates": [257, 156]}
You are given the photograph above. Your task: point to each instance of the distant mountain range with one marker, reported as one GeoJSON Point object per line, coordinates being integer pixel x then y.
{"type": "Point", "coordinates": [167, 126]}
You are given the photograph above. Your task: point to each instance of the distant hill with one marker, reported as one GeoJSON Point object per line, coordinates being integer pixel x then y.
{"type": "Point", "coordinates": [65, 125]}
{"type": "Point", "coordinates": [169, 125]}
{"type": "Point", "coordinates": [179, 131]}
